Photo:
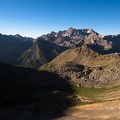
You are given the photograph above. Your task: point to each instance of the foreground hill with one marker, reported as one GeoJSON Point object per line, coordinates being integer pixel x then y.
{"type": "Point", "coordinates": [99, 111]}
{"type": "Point", "coordinates": [28, 94]}
{"type": "Point", "coordinates": [30, 101]}
{"type": "Point", "coordinates": [84, 67]}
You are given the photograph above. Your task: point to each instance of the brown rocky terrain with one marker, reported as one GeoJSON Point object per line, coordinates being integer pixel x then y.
{"type": "Point", "coordinates": [84, 67]}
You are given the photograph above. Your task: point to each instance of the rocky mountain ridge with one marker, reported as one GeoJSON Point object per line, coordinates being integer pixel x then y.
{"type": "Point", "coordinates": [47, 47]}
{"type": "Point", "coordinates": [72, 38]}
{"type": "Point", "coordinates": [68, 39]}
{"type": "Point", "coordinates": [84, 67]}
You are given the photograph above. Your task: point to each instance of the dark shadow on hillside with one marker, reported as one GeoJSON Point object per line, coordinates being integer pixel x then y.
{"type": "Point", "coordinates": [26, 94]}
{"type": "Point", "coordinates": [115, 39]}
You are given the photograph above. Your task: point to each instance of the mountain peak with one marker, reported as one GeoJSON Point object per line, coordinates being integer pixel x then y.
{"type": "Point", "coordinates": [73, 37]}
{"type": "Point", "coordinates": [84, 50]}
{"type": "Point", "coordinates": [18, 36]}
{"type": "Point", "coordinates": [71, 28]}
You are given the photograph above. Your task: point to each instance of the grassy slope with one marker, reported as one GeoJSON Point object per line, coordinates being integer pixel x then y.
{"type": "Point", "coordinates": [94, 95]}
{"type": "Point", "coordinates": [85, 95]}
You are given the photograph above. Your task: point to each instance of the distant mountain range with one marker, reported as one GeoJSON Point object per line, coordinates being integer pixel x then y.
{"type": "Point", "coordinates": [56, 42]}
{"type": "Point", "coordinates": [12, 46]}
{"type": "Point", "coordinates": [24, 52]}
{"type": "Point", "coordinates": [72, 38]}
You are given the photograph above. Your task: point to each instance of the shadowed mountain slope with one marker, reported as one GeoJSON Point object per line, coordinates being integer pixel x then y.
{"type": "Point", "coordinates": [11, 47]}
{"type": "Point", "coordinates": [115, 39]}
{"type": "Point", "coordinates": [24, 90]}
{"type": "Point", "coordinates": [40, 53]}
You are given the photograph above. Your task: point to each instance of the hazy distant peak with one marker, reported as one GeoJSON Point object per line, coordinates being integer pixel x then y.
{"type": "Point", "coordinates": [53, 32]}
{"type": "Point", "coordinates": [18, 36]}
{"type": "Point", "coordinates": [71, 28]}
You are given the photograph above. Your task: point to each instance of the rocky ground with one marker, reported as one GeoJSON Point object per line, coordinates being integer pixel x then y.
{"type": "Point", "coordinates": [80, 75]}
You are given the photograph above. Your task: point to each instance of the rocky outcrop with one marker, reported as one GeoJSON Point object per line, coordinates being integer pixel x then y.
{"type": "Point", "coordinates": [79, 75]}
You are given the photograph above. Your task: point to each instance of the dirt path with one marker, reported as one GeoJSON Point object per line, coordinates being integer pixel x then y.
{"type": "Point", "coordinates": [99, 111]}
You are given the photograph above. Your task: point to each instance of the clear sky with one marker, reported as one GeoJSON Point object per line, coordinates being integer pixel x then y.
{"type": "Point", "coordinates": [36, 17]}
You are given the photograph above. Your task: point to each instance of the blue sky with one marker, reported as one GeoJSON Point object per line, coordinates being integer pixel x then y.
{"type": "Point", "coordinates": [36, 17]}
